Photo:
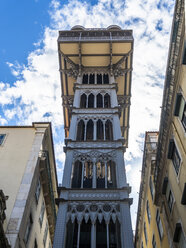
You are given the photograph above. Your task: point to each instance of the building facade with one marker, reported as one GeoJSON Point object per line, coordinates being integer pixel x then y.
{"type": "Point", "coordinates": [94, 203]}
{"type": "Point", "coordinates": [169, 174]}
{"type": "Point", "coordinates": [29, 184]}
{"type": "Point", "coordinates": [150, 228]}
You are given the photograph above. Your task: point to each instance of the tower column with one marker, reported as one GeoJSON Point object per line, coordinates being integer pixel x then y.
{"type": "Point", "coordinates": [93, 235]}
{"type": "Point", "coordinates": [126, 226]}
{"type": "Point", "coordinates": [60, 229]}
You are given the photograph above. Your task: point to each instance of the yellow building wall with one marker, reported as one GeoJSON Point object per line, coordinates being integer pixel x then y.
{"type": "Point", "coordinates": [152, 226]}
{"type": "Point", "coordinates": [14, 155]}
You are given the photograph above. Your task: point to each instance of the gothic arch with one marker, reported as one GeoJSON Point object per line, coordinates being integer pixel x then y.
{"type": "Point", "coordinates": [100, 132]}
{"type": "Point", "coordinates": [80, 131]}
{"type": "Point", "coordinates": [76, 174]}
{"type": "Point", "coordinates": [108, 130]}
{"type": "Point", "coordinates": [107, 101]}
{"type": "Point", "coordinates": [90, 130]}
{"type": "Point", "coordinates": [85, 79]}
{"type": "Point", "coordinates": [99, 98]}
{"type": "Point", "coordinates": [105, 79]}
{"type": "Point", "coordinates": [91, 101]}
{"type": "Point", "coordinates": [91, 79]}
{"type": "Point", "coordinates": [99, 78]}
{"type": "Point", "coordinates": [83, 101]}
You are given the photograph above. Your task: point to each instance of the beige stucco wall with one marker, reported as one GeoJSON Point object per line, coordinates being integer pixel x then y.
{"type": "Point", "coordinates": [14, 155]}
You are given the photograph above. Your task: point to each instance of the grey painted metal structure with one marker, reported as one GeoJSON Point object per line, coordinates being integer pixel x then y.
{"type": "Point", "coordinates": [94, 203]}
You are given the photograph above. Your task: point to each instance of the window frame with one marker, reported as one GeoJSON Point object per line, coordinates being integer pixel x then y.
{"type": "Point", "coordinates": [180, 109]}
{"type": "Point", "coordinates": [42, 212]}
{"type": "Point", "coordinates": [2, 138]}
{"type": "Point", "coordinates": [174, 155]}
{"type": "Point", "coordinates": [151, 186]}
{"type": "Point", "coordinates": [145, 232]}
{"type": "Point", "coordinates": [159, 224]}
{"type": "Point", "coordinates": [148, 211]}
{"type": "Point", "coordinates": [38, 190]}
{"type": "Point", "coordinates": [45, 234]}
{"type": "Point", "coordinates": [154, 245]}
{"type": "Point", "coordinates": [28, 229]}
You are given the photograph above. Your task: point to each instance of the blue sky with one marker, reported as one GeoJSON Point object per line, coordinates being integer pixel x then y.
{"type": "Point", "coordinates": [29, 78]}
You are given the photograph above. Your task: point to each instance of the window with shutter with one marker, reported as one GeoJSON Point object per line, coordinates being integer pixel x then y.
{"type": "Point", "coordinates": [174, 156]}
{"type": "Point", "coordinates": [180, 109]}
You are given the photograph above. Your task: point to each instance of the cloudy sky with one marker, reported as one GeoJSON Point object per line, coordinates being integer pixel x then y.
{"type": "Point", "coordinates": [29, 77]}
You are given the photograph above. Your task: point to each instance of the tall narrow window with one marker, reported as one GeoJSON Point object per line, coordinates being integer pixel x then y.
{"type": "Point", "coordinates": [100, 134]}
{"type": "Point", "coordinates": [170, 200]}
{"type": "Point", "coordinates": [87, 178]}
{"type": "Point", "coordinates": [99, 78]}
{"type": "Point", "coordinates": [180, 109]}
{"type": "Point", "coordinates": [100, 166]}
{"type": "Point", "coordinates": [107, 101]}
{"type": "Point", "coordinates": [99, 101]}
{"type": "Point", "coordinates": [85, 234]}
{"type": "Point", "coordinates": [91, 101]}
{"type": "Point", "coordinates": [80, 130]}
{"type": "Point", "coordinates": [2, 137]}
{"type": "Point", "coordinates": [83, 101]}
{"type": "Point", "coordinates": [151, 187]}
{"type": "Point", "coordinates": [28, 229]}
{"type": "Point", "coordinates": [90, 128]}
{"type": "Point", "coordinates": [148, 211]}
{"type": "Point", "coordinates": [145, 232]}
{"type": "Point", "coordinates": [174, 156]}
{"type": "Point", "coordinates": [111, 174]}
{"type": "Point", "coordinates": [114, 234]}
{"type": "Point", "coordinates": [159, 224]}
{"type": "Point", "coordinates": [101, 234]}
{"type": "Point", "coordinates": [85, 79]}
{"type": "Point", "coordinates": [45, 234]}
{"type": "Point", "coordinates": [91, 78]}
{"type": "Point", "coordinates": [42, 214]}
{"type": "Point", "coordinates": [76, 174]}
{"type": "Point", "coordinates": [154, 242]}
{"type": "Point", "coordinates": [105, 79]}
{"type": "Point", "coordinates": [38, 189]}
{"type": "Point", "coordinates": [71, 235]}
{"type": "Point", "coordinates": [108, 130]}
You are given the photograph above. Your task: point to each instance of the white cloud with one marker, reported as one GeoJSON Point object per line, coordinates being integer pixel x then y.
{"type": "Point", "coordinates": [37, 89]}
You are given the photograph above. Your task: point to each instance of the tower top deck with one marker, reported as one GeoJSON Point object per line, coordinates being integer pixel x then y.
{"type": "Point", "coordinates": [96, 51]}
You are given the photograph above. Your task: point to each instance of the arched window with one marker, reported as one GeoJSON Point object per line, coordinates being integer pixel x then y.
{"type": "Point", "coordinates": [85, 79]}
{"type": "Point", "coordinates": [76, 175]}
{"type": "Point", "coordinates": [105, 79]}
{"type": "Point", "coordinates": [111, 174]}
{"type": "Point", "coordinates": [87, 177]}
{"type": "Point", "coordinates": [80, 131]}
{"type": "Point", "coordinates": [107, 101]}
{"type": "Point", "coordinates": [99, 78]}
{"type": "Point", "coordinates": [91, 101]}
{"type": "Point", "coordinates": [85, 234]}
{"type": "Point", "coordinates": [91, 78]}
{"type": "Point", "coordinates": [99, 101]}
{"type": "Point", "coordinates": [83, 101]}
{"type": "Point", "coordinates": [100, 134]}
{"type": "Point", "coordinates": [108, 130]}
{"type": "Point", "coordinates": [100, 171]}
{"type": "Point", "coordinates": [90, 129]}
{"type": "Point", "coordinates": [101, 234]}
{"type": "Point", "coordinates": [114, 234]}
{"type": "Point", "coordinates": [71, 234]}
